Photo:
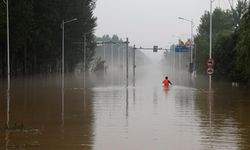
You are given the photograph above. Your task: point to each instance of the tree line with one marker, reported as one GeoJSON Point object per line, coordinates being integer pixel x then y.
{"type": "Point", "coordinates": [231, 42]}
{"type": "Point", "coordinates": [36, 35]}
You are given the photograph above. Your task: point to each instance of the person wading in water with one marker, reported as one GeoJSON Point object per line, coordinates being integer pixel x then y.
{"type": "Point", "coordinates": [166, 82]}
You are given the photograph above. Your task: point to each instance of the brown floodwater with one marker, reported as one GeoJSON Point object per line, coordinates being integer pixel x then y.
{"type": "Point", "coordinates": [105, 115]}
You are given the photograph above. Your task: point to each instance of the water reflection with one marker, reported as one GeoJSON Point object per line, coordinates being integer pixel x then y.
{"type": "Point", "coordinates": [127, 102]}
{"type": "Point", "coordinates": [7, 119]}
{"type": "Point", "coordinates": [220, 127]}
{"type": "Point", "coordinates": [62, 103]}
{"type": "Point", "coordinates": [43, 116]}
{"type": "Point", "coordinates": [103, 116]}
{"type": "Point", "coordinates": [8, 108]}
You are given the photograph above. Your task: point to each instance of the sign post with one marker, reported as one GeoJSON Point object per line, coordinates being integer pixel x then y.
{"type": "Point", "coordinates": [210, 66]}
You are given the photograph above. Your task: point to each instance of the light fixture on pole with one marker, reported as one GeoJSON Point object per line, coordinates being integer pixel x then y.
{"type": "Point", "coordinates": [62, 25]}
{"type": "Point", "coordinates": [210, 40]}
{"type": "Point", "coordinates": [191, 54]}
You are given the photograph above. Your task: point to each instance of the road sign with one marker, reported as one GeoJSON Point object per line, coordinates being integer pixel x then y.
{"type": "Point", "coordinates": [155, 48]}
{"type": "Point", "coordinates": [210, 63]}
{"type": "Point", "coordinates": [188, 44]}
{"type": "Point", "coordinates": [181, 49]}
{"type": "Point", "coordinates": [210, 71]}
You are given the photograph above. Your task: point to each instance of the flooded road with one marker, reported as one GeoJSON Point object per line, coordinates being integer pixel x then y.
{"type": "Point", "coordinates": [108, 116]}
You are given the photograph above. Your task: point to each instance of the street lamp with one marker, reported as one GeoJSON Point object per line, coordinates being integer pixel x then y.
{"type": "Point", "coordinates": [191, 55]}
{"type": "Point", "coordinates": [210, 41]}
{"type": "Point", "coordinates": [62, 25]}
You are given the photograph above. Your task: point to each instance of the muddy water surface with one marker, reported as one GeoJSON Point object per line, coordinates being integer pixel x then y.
{"type": "Point", "coordinates": [108, 116]}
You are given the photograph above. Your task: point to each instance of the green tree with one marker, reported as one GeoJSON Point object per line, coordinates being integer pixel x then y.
{"type": "Point", "coordinates": [222, 23]}
{"type": "Point", "coordinates": [243, 46]}
{"type": "Point", "coordinates": [225, 56]}
{"type": "Point", "coordinates": [35, 34]}
{"type": "Point", "coordinates": [239, 11]}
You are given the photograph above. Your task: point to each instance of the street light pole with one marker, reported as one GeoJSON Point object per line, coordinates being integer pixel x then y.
{"type": "Point", "coordinates": [62, 54]}
{"type": "Point", "coordinates": [210, 41]}
{"type": "Point", "coordinates": [134, 65]}
{"type": "Point", "coordinates": [127, 62]}
{"type": "Point", "coordinates": [191, 53]}
{"type": "Point", "coordinates": [62, 25]}
{"type": "Point", "coordinates": [84, 52]}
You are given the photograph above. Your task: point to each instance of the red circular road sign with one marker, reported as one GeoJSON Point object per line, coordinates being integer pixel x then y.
{"type": "Point", "coordinates": [210, 62]}
{"type": "Point", "coordinates": [210, 71]}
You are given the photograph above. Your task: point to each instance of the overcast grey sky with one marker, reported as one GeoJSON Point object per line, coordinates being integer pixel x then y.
{"type": "Point", "coordinates": [151, 22]}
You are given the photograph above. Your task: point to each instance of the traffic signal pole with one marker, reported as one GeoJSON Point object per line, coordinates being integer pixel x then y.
{"type": "Point", "coordinates": [127, 47]}
{"type": "Point", "coordinates": [155, 49]}
{"type": "Point", "coordinates": [126, 62]}
{"type": "Point", "coordinates": [134, 65]}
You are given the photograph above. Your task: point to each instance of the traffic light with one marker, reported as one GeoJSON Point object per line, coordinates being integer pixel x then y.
{"type": "Point", "coordinates": [155, 48]}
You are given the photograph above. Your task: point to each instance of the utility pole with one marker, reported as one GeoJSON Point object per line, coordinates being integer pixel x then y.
{"type": "Point", "coordinates": [85, 60]}
{"type": "Point", "coordinates": [62, 26]}
{"type": "Point", "coordinates": [134, 65]}
{"type": "Point", "coordinates": [191, 51]}
{"type": "Point", "coordinates": [62, 115]}
{"type": "Point", "coordinates": [210, 41]}
{"type": "Point", "coordinates": [126, 62]}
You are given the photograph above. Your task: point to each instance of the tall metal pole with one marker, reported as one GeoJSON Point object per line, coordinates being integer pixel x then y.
{"type": "Point", "coordinates": [112, 58]}
{"type": "Point", "coordinates": [62, 92]}
{"type": "Point", "coordinates": [174, 64]}
{"type": "Point", "coordinates": [195, 58]}
{"type": "Point", "coordinates": [63, 55]}
{"type": "Point", "coordinates": [104, 58]}
{"type": "Point", "coordinates": [84, 68]}
{"type": "Point", "coordinates": [85, 59]}
{"type": "Point", "coordinates": [191, 51]}
{"type": "Point", "coordinates": [62, 26]}
{"type": "Point", "coordinates": [192, 25]}
{"type": "Point", "coordinates": [127, 62]}
{"type": "Point", "coordinates": [8, 44]}
{"type": "Point", "coordinates": [134, 65]}
{"type": "Point", "coordinates": [104, 53]}
{"type": "Point", "coordinates": [210, 42]}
